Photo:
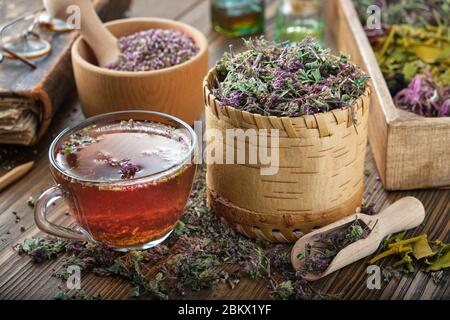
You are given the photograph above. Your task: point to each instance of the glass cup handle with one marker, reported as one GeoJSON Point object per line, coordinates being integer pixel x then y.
{"type": "Point", "coordinates": [41, 209]}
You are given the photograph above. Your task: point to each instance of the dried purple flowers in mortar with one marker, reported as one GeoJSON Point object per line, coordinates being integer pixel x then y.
{"type": "Point", "coordinates": [154, 49]}
{"type": "Point", "coordinates": [280, 80]}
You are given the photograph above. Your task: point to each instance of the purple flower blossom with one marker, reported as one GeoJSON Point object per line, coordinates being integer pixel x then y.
{"type": "Point", "coordinates": [425, 97]}
{"type": "Point", "coordinates": [128, 169]}
{"type": "Point", "coordinates": [295, 65]}
{"type": "Point", "coordinates": [320, 262]}
{"type": "Point", "coordinates": [234, 99]}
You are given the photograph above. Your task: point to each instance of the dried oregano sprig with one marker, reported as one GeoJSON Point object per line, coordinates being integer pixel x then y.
{"type": "Point", "coordinates": [281, 80]}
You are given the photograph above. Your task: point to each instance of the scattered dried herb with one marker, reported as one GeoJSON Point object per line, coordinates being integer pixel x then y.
{"type": "Point", "coordinates": [201, 253]}
{"type": "Point", "coordinates": [154, 49]}
{"type": "Point", "coordinates": [441, 258]}
{"type": "Point", "coordinates": [287, 80]}
{"type": "Point", "coordinates": [283, 291]}
{"type": "Point", "coordinates": [437, 276]}
{"type": "Point", "coordinates": [77, 295]}
{"type": "Point", "coordinates": [41, 250]}
{"type": "Point", "coordinates": [389, 273]}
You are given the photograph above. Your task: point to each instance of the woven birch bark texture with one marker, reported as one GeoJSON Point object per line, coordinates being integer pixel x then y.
{"type": "Point", "coordinates": [320, 173]}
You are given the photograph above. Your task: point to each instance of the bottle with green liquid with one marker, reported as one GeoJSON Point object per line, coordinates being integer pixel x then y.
{"type": "Point", "coordinates": [236, 18]}
{"type": "Point", "coordinates": [298, 19]}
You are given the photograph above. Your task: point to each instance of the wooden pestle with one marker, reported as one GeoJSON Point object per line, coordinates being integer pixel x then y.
{"type": "Point", "coordinates": [102, 42]}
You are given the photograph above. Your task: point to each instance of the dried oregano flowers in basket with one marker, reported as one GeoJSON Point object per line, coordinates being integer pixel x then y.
{"type": "Point", "coordinates": [287, 80]}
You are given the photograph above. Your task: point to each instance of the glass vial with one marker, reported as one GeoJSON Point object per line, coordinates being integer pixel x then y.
{"type": "Point", "coordinates": [298, 19]}
{"type": "Point", "coordinates": [235, 18]}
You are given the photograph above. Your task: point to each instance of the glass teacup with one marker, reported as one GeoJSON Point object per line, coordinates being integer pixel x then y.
{"type": "Point", "coordinates": [125, 176]}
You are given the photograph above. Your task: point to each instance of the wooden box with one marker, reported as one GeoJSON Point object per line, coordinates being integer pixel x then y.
{"type": "Point", "coordinates": [410, 151]}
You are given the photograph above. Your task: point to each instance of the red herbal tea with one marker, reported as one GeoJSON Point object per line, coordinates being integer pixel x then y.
{"type": "Point", "coordinates": [127, 182]}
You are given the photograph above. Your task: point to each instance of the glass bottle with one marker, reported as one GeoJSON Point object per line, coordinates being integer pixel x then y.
{"type": "Point", "coordinates": [235, 18]}
{"type": "Point", "coordinates": [298, 19]}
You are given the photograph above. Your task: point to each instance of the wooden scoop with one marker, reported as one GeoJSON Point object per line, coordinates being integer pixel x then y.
{"type": "Point", "coordinates": [102, 42]}
{"type": "Point", "coordinates": [404, 214]}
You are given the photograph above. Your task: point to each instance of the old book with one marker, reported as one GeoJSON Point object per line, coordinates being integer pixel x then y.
{"type": "Point", "coordinates": [29, 98]}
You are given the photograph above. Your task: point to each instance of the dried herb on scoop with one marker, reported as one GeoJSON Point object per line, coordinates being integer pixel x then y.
{"type": "Point", "coordinates": [287, 80]}
{"type": "Point", "coordinates": [318, 256]}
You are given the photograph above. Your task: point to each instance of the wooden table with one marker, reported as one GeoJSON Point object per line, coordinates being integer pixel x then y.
{"type": "Point", "coordinates": [21, 279]}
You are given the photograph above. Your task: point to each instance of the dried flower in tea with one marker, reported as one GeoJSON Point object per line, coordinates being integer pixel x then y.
{"type": "Point", "coordinates": [125, 166]}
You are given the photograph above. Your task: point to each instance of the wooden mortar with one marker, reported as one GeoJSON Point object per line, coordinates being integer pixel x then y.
{"type": "Point", "coordinates": [176, 90]}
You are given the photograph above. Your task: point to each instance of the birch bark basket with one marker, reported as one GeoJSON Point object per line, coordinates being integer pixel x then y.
{"type": "Point", "coordinates": [320, 175]}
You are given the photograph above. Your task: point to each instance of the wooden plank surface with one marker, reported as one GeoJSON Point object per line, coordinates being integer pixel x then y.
{"type": "Point", "coordinates": [21, 279]}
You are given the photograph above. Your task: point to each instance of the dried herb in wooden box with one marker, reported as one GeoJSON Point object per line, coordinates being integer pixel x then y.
{"type": "Point", "coordinates": [413, 51]}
